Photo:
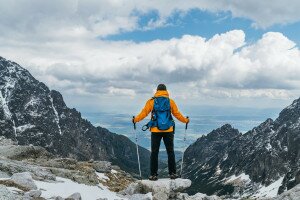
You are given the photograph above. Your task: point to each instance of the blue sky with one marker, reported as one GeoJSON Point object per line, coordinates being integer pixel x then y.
{"type": "Point", "coordinates": [203, 23]}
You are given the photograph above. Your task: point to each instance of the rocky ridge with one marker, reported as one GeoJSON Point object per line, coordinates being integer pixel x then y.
{"type": "Point", "coordinates": [228, 163]}
{"type": "Point", "coordinates": [32, 114]}
{"type": "Point", "coordinates": [20, 173]}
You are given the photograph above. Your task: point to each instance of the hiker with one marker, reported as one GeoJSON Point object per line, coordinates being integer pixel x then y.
{"type": "Point", "coordinates": [161, 126]}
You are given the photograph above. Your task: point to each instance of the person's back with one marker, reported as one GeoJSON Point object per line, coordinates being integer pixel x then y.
{"type": "Point", "coordinates": [161, 126]}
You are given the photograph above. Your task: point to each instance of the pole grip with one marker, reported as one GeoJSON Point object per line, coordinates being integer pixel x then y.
{"type": "Point", "coordinates": [134, 126]}
{"type": "Point", "coordinates": [186, 125]}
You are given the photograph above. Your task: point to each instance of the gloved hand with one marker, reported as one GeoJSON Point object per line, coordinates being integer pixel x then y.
{"type": "Point", "coordinates": [188, 120]}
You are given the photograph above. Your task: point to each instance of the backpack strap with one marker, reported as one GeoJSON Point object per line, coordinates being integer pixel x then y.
{"type": "Point", "coordinates": [147, 126]}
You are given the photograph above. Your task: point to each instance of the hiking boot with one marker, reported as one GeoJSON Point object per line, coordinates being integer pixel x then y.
{"type": "Point", "coordinates": [173, 176]}
{"type": "Point", "coordinates": [153, 178]}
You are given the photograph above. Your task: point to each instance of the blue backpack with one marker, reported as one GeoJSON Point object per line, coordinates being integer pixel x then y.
{"type": "Point", "coordinates": [161, 114]}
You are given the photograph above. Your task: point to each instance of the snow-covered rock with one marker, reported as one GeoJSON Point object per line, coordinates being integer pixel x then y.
{"type": "Point", "coordinates": [24, 179]}
{"type": "Point", "coordinates": [292, 194]}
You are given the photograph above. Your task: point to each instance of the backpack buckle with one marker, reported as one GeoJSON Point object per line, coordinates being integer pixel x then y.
{"type": "Point", "coordinates": [145, 127]}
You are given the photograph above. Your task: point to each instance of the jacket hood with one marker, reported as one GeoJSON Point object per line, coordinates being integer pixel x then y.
{"type": "Point", "coordinates": [160, 93]}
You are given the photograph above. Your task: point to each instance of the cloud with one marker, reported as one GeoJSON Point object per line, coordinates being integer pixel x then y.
{"type": "Point", "coordinates": [222, 66]}
{"type": "Point", "coordinates": [66, 20]}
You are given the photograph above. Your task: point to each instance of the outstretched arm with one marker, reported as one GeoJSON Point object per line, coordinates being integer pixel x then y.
{"type": "Point", "coordinates": [175, 111]}
{"type": "Point", "coordinates": [145, 111]}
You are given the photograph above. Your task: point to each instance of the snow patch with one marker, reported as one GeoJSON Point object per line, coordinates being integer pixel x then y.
{"type": "Point", "coordinates": [24, 127]}
{"type": "Point", "coordinates": [65, 187]}
{"type": "Point", "coordinates": [225, 156]}
{"type": "Point", "coordinates": [269, 147]}
{"type": "Point", "coordinates": [56, 114]}
{"type": "Point", "coordinates": [10, 84]}
{"type": "Point", "coordinates": [270, 190]}
{"type": "Point", "coordinates": [218, 170]}
{"type": "Point", "coordinates": [243, 177]}
{"type": "Point", "coordinates": [33, 101]}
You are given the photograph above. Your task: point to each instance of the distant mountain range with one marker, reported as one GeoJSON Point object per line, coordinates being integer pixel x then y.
{"type": "Point", "coordinates": [30, 113]}
{"type": "Point", "coordinates": [264, 160]}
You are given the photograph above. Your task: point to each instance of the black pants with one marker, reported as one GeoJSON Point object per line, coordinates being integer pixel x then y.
{"type": "Point", "coordinates": [169, 143]}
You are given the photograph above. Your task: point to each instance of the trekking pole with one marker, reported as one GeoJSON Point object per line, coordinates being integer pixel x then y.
{"type": "Point", "coordinates": [137, 147]}
{"type": "Point", "coordinates": [184, 141]}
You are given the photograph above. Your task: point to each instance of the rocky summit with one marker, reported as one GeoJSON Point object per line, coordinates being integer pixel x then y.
{"type": "Point", "coordinates": [31, 114]}
{"type": "Point", "coordinates": [263, 162]}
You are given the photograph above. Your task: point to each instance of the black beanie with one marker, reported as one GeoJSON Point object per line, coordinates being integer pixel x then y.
{"type": "Point", "coordinates": [161, 87]}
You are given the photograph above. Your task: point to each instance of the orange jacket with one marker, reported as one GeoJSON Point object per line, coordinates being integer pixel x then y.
{"type": "Point", "coordinates": [149, 106]}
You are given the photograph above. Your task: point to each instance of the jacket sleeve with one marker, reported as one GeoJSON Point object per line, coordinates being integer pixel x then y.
{"type": "Point", "coordinates": [145, 111]}
{"type": "Point", "coordinates": [175, 111]}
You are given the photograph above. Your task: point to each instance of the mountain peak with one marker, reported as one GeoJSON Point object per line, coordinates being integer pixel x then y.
{"type": "Point", "coordinates": [225, 131]}
{"type": "Point", "coordinates": [291, 113]}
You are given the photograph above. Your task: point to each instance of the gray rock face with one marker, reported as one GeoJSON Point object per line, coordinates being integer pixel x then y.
{"type": "Point", "coordinates": [266, 153]}
{"type": "Point", "coordinates": [24, 179]}
{"type": "Point", "coordinates": [30, 113]}
{"type": "Point", "coordinates": [292, 194]}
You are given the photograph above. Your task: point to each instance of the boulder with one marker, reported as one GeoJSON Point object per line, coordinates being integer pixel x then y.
{"type": "Point", "coordinates": [33, 193]}
{"type": "Point", "coordinates": [133, 188]}
{"type": "Point", "coordinates": [102, 166]}
{"type": "Point", "coordinates": [75, 196]}
{"type": "Point", "coordinates": [292, 194]}
{"type": "Point", "coordinates": [24, 179]}
{"type": "Point", "coordinates": [161, 189]}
